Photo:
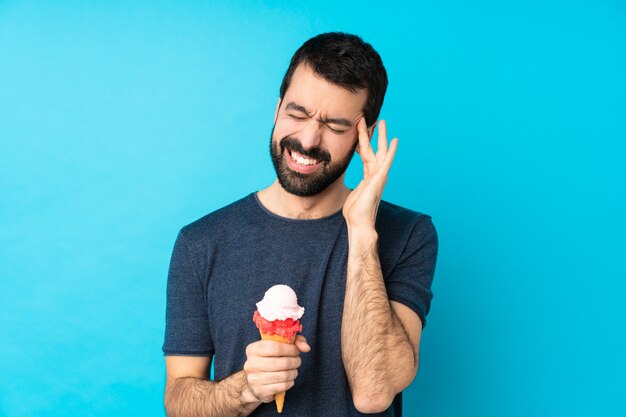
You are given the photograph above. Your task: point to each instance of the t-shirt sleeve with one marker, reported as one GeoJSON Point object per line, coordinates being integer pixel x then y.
{"type": "Point", "coordinates": [410, 280]}
{"type": "Point", "coordinates": [187, 329]}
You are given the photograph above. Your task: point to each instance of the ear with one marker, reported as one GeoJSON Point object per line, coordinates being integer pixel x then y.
{"type": "Point", "coordinates": [370, 130]}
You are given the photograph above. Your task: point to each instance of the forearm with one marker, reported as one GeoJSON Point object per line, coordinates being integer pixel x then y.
{"type": "Point", "coordinates": [195, 397]}
{"type": "Point", "coordinates": [377, 354]}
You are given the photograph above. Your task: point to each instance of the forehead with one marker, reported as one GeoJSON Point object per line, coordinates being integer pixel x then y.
{"type": "Point", "coordinates": [318, 95]}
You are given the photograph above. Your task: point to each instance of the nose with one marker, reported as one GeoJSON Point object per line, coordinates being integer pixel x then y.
{"type": "Point", "coordinates": [311, 134]}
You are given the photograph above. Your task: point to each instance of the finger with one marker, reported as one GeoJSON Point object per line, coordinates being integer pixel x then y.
{"type": "Point", "coordinates": [267, 378]}
{"type": "Point", "coordinates": [381, 151]}
{"type": "Point", "coordinates": [270, 348]}
{"type": "Point", "coordinates": [266, 393]}
{"type": "Point", "coordinates": [264, 364]}
{"type": "Point", "coordinates": [379, 176]}
{"type": "Point", "coordinates": [393, 147]}
{"type": "Point", "coordinates": [273, 389]}
{"type": "Point", "coordinates": [365, 149]}
{"type": "Point", "coordinates": [302, 344]}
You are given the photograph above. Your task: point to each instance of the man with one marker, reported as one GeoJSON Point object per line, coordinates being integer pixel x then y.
{"type": "Point", "coordinates": [361, 267]}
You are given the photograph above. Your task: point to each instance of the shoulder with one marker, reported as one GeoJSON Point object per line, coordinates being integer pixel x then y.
{"type": "Point", "coordinates": [402, 231]}
{"type": "Point", "coordinates": [396, 219]}
{"type": "Point", "coordinates": [218, 220]}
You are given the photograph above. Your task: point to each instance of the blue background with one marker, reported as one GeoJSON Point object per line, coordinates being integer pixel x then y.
{"type": "Point", "coordinates": [120, 123]}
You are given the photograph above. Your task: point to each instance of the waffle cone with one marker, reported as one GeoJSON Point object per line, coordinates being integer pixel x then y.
{"type": "Point", "coordinates": [279, 397]}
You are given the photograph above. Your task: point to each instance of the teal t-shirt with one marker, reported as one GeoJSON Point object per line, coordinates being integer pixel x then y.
{"type": "Point", "coordinates": [223, 263]}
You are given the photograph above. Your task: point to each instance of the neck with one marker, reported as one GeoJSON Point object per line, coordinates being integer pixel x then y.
{"type": "Point", "coordinates": [328, 202]}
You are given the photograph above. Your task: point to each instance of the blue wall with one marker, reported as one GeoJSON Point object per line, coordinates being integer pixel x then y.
{"type": "Point", "coordinates": [120, 123]}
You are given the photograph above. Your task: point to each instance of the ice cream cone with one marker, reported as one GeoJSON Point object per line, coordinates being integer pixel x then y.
{"type": "Point", "coordinates": [278, 338]}
{"type": "Point", "coordinates": [278, 318]}
{"type": "Point", "coordinates": [279, 397]}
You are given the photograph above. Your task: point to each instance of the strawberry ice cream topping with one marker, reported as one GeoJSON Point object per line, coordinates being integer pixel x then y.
{"type": "Point", "coordinates": [286, 328]}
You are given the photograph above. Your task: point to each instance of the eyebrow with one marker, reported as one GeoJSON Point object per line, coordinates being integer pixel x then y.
{"type": "Point", "coordinates": [336, 121]}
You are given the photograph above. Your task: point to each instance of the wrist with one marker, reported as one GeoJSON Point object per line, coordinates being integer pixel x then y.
{"type": "Point", "coordinates": [361, 242]}
{"type": "Point", "coordinates": [362, 234]}
{"type": "Point", "coordinates": [247, 396]}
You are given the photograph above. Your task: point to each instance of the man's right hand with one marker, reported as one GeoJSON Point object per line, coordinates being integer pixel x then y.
{"type": "Point", "coordinates": [272, 367]}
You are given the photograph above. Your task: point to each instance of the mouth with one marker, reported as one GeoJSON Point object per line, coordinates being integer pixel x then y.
{"type": "Point", "coordinates": [300, 163]}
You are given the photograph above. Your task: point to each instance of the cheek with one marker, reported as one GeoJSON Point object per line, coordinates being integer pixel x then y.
{"type": "Point", "coordinates": [285, 127]}
{"type": "Point", "coordinates": [341, 149]}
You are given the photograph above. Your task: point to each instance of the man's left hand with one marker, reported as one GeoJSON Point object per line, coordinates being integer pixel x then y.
{"type": "Point", "coordinates": [361, 206]}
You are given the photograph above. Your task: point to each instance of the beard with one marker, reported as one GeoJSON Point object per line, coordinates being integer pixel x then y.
{"type": "Point", "coordinates": [306, 185]}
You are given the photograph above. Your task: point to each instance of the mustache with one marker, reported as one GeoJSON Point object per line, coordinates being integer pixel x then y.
{"type": "Point", "coordinates": [293, 144]}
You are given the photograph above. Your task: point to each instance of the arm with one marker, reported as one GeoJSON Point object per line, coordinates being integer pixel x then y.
{"type": "Point", "coordinates": [270, 367]}
{"type": "Point", "coordinates": [188, 392]}
{"type": "Point", "coordinates": [379, 338]}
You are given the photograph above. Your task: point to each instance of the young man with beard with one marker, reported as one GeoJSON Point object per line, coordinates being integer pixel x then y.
{"type": "Point", "coordinates": [361, 267]}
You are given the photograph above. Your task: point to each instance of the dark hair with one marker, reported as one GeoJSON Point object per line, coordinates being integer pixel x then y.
{"type": "Point", "coordinates": [345, 60]}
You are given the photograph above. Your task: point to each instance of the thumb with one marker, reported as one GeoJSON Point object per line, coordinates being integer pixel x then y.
{"type": "Point", "coordinates": [302, 344]}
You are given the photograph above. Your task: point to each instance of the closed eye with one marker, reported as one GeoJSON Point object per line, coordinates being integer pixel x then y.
{"type": "Point", "coordinates": [335, 131]}
{"type": "Point", "coordinates": [339, 132]}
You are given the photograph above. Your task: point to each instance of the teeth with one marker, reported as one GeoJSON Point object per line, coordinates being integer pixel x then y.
{"type": "Point", "coordinates": [302, 160]}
